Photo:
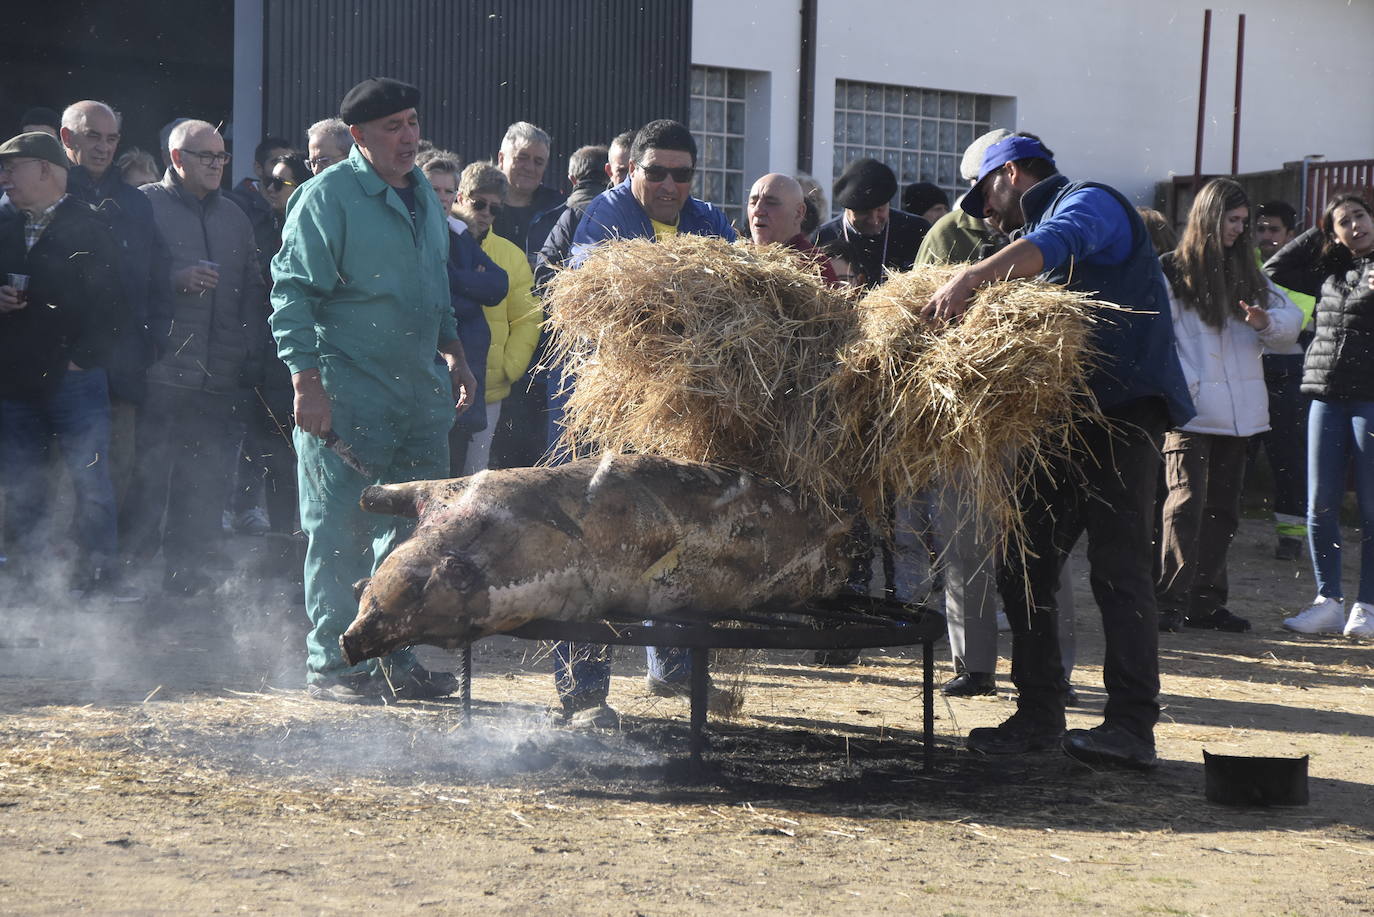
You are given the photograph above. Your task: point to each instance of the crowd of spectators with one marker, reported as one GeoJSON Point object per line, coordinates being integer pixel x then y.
{"type": "Point", "coordinates": [160, 383]}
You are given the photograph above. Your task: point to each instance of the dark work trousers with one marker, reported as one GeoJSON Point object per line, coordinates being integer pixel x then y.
{"type": "Point", "coordinates": [521, 437]}
{"type": "Point", "coordinates": [186, 443]}
{"type": "Point", "coordinates": [1285, 443]}
{"type": "Point", "coordinates": [1205, 473]}
{"type": "Point", "coordinates": [1106, 487]}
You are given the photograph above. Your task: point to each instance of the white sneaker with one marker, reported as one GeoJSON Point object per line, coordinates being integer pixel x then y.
{"type": "Point", "coordinates": [1361, 623]}
{"type": "Point", "coordinates": [1324, 616]}
{"type": "Point", "coordinates": [252, 522]}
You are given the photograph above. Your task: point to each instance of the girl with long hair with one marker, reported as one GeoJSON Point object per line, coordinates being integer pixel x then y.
{"type": "Point", "coordinates": [1225, 312]}
{"type": "Point", "coordinates": [1334, 261]}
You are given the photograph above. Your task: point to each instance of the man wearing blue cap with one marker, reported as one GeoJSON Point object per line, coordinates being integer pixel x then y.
{"type": "Point", "coordinates": [1088, 237]}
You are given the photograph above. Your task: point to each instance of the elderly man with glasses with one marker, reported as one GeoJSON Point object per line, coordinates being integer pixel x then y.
{"type": "Point", "coordinates": [208, 353]}
{"type": "Point", "coordinates": [327, 142]}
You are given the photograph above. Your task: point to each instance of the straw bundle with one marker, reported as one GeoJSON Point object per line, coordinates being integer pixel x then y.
{"type": "Point", "coordinates": [698, 349]}
{"type": "Point", "coordinates": [922, 402]}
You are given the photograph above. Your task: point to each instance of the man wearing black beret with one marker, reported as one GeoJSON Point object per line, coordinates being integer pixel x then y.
{"type": "Point", "coordinates": [361, 308]}
{"type": "Point", "coordinates": [885, 239]}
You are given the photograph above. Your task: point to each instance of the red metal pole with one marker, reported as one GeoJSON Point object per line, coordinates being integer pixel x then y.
{"type": "Point", "coordinates": [1240, 65]}
{"type": "Point", "coordinates": [1202, 99]}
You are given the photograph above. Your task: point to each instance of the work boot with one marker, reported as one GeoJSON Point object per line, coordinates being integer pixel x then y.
{"type": "Point", "coordinates": [1288, 548]}
{"type": "Point", "coordinates": [417, 683]}
{"type": "Point", "coordinates": [1110, 744]}
{"type": "Point", "coordinates": [1170, 622]}
{"type": "Point", "coordinates": [598, 716]}
{"type": "Point", "coordinates": [1323, 616]}
{"type": "Point", "coordinates": [1023, 731]}
{"type": "Point", "coordinates": [1221, 619]}
{"type": "Point", "coordinates": [343, 689]}
{"type": "Point", "coordinates": [717, 700]}
{"type": "Point", "coordinates": [970, 684]}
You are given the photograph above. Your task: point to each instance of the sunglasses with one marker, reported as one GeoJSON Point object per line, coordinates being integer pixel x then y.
{"type": "Point", "coordinates": [479, 205]}
{"type": "Point", "coordinates": [658, 173]}
{"type": "Point", "coordinates": [276, 184]}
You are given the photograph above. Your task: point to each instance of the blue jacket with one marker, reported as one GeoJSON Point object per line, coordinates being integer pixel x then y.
{"type": "Point", "coordinates": [616, 214]}
{"type": "Point", "coordinates": [474, 281]}
{"type": "Point", "coordinates": [145, 273]}
{"type": "Point", "coordinates": [1093, 241]}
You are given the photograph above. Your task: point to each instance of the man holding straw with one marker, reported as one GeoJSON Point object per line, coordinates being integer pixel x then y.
{"type": "Point", "coordinates": [1089, 238]}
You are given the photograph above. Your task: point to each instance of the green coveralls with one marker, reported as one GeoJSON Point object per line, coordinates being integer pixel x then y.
{"type": "Point", "coordinates": [362, 295]}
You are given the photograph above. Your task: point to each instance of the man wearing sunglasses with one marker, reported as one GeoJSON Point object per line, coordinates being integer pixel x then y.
{"type": "Point", "coordinates": [655, 203]}
{"type": "Point", "coordinates": [361, 314]}
{"type": "Point", "coordinates": [207, 352]}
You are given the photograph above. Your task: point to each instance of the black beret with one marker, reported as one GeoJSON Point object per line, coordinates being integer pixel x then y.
{"type": "Point", "coordinates": [377, 98]}
{"type": "Point", "coordinates": [865, 184]}
{"type": "Point", "coordinates": [41, 115]}
{"type": "Point", "coordinates": [919, 197]}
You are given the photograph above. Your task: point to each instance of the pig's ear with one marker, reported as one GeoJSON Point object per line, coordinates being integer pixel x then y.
{"type": "Point", "coordinates": [395, 499]}
{"type": "Point", "coordinates": [359, 587]}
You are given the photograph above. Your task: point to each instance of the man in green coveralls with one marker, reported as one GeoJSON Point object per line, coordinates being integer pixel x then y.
{"type": "Point", "coordinates": [361, 315]}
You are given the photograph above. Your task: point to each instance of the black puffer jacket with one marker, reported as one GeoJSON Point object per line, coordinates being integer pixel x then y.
{"type": "Point", "coordinates": [1340, 359]}
{"type": "Point", "coordinates": [76, 303]}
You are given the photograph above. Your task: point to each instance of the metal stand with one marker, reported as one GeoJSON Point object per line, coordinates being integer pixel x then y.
{"type": "Point", "coordinates": [851, 623]}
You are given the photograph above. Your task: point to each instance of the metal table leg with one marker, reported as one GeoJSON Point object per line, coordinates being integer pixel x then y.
{"type": "Point", "coordinates": [699, 683]}
{"type": "Point", "coordinates": [465, 681]}
{"type": "Point", "coordinates": [928, 702]}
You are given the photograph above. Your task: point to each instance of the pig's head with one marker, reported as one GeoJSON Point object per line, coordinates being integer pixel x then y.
{"type": "Point", "coordinates": [425, 591]}
{"type": "Point", "coordinates": [418, 595]}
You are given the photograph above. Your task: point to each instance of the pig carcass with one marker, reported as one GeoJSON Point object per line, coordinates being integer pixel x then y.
{"type": "Point", "coordinates": [632, 534]}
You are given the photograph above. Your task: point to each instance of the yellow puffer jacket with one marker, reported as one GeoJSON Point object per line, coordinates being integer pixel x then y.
{"type": "Point", "coordinates": [514, 320]}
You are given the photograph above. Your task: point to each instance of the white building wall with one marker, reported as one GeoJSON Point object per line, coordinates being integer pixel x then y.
{"type": "Point", "coordinates": [1111, 85]}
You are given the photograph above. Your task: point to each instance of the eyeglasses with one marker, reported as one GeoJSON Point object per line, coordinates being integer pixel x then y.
{"type": "Point", "coordinates": [276, 184]}
{"type": "Point", "coordinates": [207, 158]}
{"type": "Point", "coordinates": [681, 175]}
{"type": "Point", "coordinates": [479, 205]}
{"type": "Point", "coordinates": [8, 165]}
{"type": "Point", "coordinates": [322, 162]}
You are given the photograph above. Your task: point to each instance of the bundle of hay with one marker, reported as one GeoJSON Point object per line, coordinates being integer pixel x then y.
{"type": "Point", "coordinates": [699, 349]}
{"type": "Point", "coordinates": [737, 355]}
{"type": "Point", "coordinates": [923, 402]}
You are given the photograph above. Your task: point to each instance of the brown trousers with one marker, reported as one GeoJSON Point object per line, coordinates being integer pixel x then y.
{"type": "Point", "coordinates": [1204, 473]}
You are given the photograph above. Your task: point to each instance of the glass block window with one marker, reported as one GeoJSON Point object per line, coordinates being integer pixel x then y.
{"type": "Point", "coordinates": [717, 123]}
{"type": "Point", "coordinates": [920, 133]}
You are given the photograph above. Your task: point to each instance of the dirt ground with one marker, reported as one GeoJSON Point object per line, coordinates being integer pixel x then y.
{"type": "Point", "coordinates": [164, 760]}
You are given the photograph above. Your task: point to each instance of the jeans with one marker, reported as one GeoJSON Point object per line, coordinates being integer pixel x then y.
{"type": "Point", "coordinates": [1201, 514]}
{"type": "Point", "coordinates": [1286, 441]}
{"type": "Point", "coordinates": [1106, 487]}
{"type": "Point", "coordinates": [76, 416]}
{"type": "Point", "coordinates": [1337, 429]}
{"type": "Point", "coordinates": [186, 437]}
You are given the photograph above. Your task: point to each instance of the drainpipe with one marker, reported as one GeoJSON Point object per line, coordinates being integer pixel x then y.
{"type": "Point", "coordinates": [806, 88]}
{"type": "Point", "coordinates": [1202, 100]}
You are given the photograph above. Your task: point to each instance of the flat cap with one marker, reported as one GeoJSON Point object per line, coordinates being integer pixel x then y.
{"type": "Point", "coordinates": [865, 184]}
{"type": "Point", "coordinates": [377, 98]}
{"type": "Point", "coordinates": [36, 145]}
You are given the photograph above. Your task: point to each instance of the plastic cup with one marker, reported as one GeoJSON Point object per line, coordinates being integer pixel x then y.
{"type": "Point", "coordinates": [20, 282]}
{"type": "Point", "coordinates": [209, 265]}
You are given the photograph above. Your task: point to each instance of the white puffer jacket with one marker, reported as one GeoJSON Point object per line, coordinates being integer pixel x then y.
{"type": "Point", "coordinates": [1223, 368]}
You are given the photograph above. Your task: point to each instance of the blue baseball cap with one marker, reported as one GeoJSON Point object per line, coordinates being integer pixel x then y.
{"type": "Point", "coordinates": [1008, 149]}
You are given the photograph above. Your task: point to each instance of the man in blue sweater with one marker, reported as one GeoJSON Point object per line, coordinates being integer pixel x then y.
{"type": "Point", "coordinates": [1088, 237]}
{"type": "Point", "coordinates": [655, 202]}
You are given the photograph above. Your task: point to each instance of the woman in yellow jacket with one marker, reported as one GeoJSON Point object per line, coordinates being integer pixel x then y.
{"type": "Point", "coordinates": [514, 320]}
